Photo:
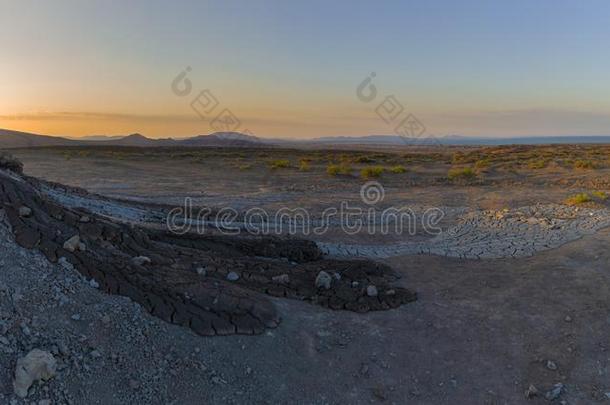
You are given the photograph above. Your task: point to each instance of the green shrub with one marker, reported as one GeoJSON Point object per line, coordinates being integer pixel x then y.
{"type": "Point", "coordinates": [398, 169]}
{"type": "Point", "coordinates": [280, 164]}
{"type": "Point", "coordinates": [584, 164]}
{"type": "Point", "coordinates": [482, 164]}
{"type": "Point", "coordinates": [335, 169]}
{"type": "Point", "coordinates": [371, 171]}
{"type": "Point", "coordinates": [461, 173]}
{"type": "Point", "coordinates": [578, 199]}
{"type": "Point", "coordinates": [364, 159]}
{"type": "Point", "coordinates": [537, 164]}
{"type": "Point", "coordinates": [601, 195]}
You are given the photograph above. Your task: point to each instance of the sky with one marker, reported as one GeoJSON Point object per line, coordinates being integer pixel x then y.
{"type": "Point", "coordinates": [291, 69]}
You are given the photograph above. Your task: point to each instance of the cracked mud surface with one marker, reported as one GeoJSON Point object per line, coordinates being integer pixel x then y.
{"type": "Point", "coordinates": [494, 234]}
{"type": "Point", "coordinates": [477, 234]}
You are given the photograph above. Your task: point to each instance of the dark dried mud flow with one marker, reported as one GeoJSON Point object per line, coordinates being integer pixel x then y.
{"type": "Point", "coordinates": [215, 285]}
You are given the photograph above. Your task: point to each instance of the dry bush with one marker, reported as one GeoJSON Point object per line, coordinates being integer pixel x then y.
{"type": "Point", "coordinates": [371, 171]}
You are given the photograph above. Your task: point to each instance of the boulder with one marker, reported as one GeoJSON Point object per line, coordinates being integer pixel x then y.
{"type": "Point", "coordinates": [36, 365]}
{"type": "Point", "coordinates": [25, 211]}
{"type": "Point", "coordinates": [323, 280]}
{"type": "Point", "coordinates": [73, 244]}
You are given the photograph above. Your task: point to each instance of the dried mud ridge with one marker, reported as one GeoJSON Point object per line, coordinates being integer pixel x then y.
{"type": "Point", "coordinates": [215, 285]}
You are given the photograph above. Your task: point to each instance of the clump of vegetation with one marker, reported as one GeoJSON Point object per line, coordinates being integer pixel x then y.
{"type": "Point", "coordinates": [280, 164]}
{"type": "Point", "coordinates": [482, 164]}
{"type": "Point", "coordinates": [336, 169]}
{"type": "Point", "coordinates": [584, 164]}
{"type": "Point", "coordinates": [458, 157]}
{"type": "Point", "coordinates": [600, 195]}
{"type": "Point", "coordinates": [461, 173]}
{"type": "Point", "coordinates": [245, 167]}
{"type": "Point", "coordinates": [578, 199]}
{"type": "Point", "coordinates": [304, 165]}
{"type": "Point", "coordinates": [398, 169]}
{"type": "Point", "coordinates": [364, 159]}
{"type": "Point", "coordinates": [537, 164]}
{"type": "Point", "coordinates": [371, 171]}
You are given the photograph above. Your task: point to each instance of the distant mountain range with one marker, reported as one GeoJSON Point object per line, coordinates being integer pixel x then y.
{"type": "Point", "coordinates": [16, 139]}
{"type": "Point", "coordinates": [454, 140]}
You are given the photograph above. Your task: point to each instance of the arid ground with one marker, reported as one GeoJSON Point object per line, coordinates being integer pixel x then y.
{"type": "Point", "coordinates": [512, 286]}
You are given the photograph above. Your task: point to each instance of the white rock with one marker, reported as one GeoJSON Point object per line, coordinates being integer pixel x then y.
{"type": "Point", "coordinates": [36, 365]}
{"type": "Point", "coordinates": [94, 283]}
{"type": "Point", "coordinates": [554, 393]}
{"type": "Point", "coordinates": [531, 391]}
{"type": "Point", "coordinates": [371, 291]}
{"type": "Point", "coordinates": [141, 260]}
{"type": "Point", "coordinates": [323, 280]}
{"type": "Point", "coordinates": [72, 244]}
{"type": "Point", "coordinates": [232, 276]}
{"type": "Point", "coordinates": [25, 211]}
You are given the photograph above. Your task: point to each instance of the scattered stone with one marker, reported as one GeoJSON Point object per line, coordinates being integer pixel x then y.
{"type": "Point", "coordinates": [75, 317]}
{"type": "Point", "coordinates": [141, 260]}
{"type": "Point", "coordinates": [232, 276]}
{"type": "Point", "coordinates": [201, 271]}
{"type": "Point", "coordinates": [281, 279]}
{"type": "Point", "coordinates": [555, 392]}
{"type": "Point", "coordinates": [568, 318]}
{"type": "Point", "coordinates": [25, 211]}
{"type": "Point", "coordinates": [531, 391]}
{"type": "Point", "coordinates": [94, 283]}
{"type": "Point", "coordinates": [371, 291]}
{"type": "Point", "coordinates": [355, 284]}
{"type": "Point", "coordinates": [72, 244]}
{"type": "Point", "coordinates": [85, 219]}
{"type": "Point", "coordinates": [551, 365]}
{"type": "Point", "coordinates": [323, 280]}
{"type": "Point", "coordinates": [36, 365]}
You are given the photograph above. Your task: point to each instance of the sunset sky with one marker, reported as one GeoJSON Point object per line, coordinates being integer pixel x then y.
{"type": "Point", "coordinates": [291, 69]}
